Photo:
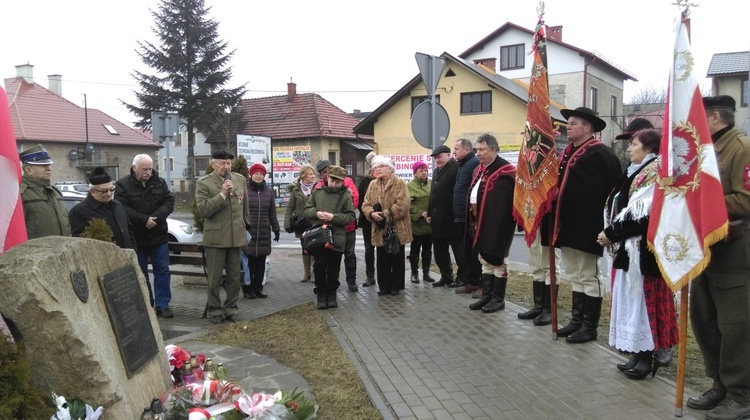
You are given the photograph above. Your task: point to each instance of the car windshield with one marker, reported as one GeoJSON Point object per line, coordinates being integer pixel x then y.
{"type": "Point", "coordinates": [70, 202]}
{"type": "Point", "coordinates": [81, 188]}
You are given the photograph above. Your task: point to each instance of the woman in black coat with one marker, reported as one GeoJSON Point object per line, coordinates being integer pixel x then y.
{"type": "Point", "coordinates": [263, 221]}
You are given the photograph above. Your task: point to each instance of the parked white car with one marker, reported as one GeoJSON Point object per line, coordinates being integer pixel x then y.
{"type": "Point", "coordinates": [73, 188]}
{"type": "Point", "coordinates": [178, 231]}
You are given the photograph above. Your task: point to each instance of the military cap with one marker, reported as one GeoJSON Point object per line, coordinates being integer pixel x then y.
{"type": "Point", "coordinates": [221, 154]}
{"type": "Point", "coordinates": [36, 155]}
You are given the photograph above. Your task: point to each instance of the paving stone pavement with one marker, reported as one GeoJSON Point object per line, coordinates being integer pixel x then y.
{"type": "Point", "coordinates": [424, 355]}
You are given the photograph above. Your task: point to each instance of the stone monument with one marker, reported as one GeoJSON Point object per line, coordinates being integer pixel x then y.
{"type": "Point", "coordinates": [79, 307]}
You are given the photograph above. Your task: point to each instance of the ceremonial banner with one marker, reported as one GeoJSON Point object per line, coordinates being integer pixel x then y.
{"type": "Point", "coordinates": [536, 173]}
{"type": "Point", "coordinates": [12, 224]}
{"type": "Point", "coordinates": [688, 212]}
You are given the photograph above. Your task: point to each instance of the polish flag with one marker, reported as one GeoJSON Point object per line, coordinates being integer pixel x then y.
{"type": "Point", "coordinates": [688, 213]}
{"type": "Point", "coordinates": [12, 224]}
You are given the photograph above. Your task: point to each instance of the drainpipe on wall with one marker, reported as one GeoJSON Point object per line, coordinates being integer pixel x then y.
{"type": "Point", "coordinates": [586, 77]}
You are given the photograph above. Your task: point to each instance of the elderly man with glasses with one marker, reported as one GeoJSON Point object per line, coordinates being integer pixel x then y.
{"type": "Point", "coordinates": [99, 204]}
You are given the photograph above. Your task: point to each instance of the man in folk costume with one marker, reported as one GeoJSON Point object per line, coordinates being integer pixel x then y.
{"type": "Point", "coordinates": [587, 173]}
{"type": "Point", "coordinates": [490, 225]}
{"type": "Point", "coordinates": [720, 296]}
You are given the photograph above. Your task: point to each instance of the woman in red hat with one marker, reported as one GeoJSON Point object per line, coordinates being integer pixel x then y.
{"type": "Point", "coordinates": [263, 221]}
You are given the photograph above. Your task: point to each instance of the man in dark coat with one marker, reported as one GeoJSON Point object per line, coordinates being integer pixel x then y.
{"type": "Point", "coordinates": [490, 225]}
{"type": "Point", "coordinates": [148, 202]}
{"type": "Point", "coordinates": [720, 296]}
{"type": "Point", "coordinates": [467, 163]}
{"type": "Point", "coordinates": [588, 171]}
{"type": "Point", "coordinates": [445, 231]}
{"type": "Point", "coordinates": [99, 204]}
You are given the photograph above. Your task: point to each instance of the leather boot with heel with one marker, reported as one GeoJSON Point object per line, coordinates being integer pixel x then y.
{"type": "Point", "coordinates": [247, 292]}
{"type": "Point", "coordinates": [498, 296]}
{"type": "Point", "coordinates": [646, 364]}
{"type": "Point", "coordinates": [538, 290]}
{"type": "Point", "coordinates": [487, 282]}
{"type": "Point", "coordinates": [576, 316]}
{"type": "Point", "coordinates": [631, 363]}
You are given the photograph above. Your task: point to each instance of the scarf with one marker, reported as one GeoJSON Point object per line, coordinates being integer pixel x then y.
{"type": "Point", "coordinates": [635, 166]}
{"type": "Point", "coordinates": [306, 187]}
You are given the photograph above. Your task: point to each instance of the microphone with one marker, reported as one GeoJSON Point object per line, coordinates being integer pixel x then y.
{"type": "Point", "coordinates": [228, 177]}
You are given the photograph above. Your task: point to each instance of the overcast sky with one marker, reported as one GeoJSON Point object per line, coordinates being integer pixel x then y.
{"type": "Point", "coordinates": [354, 54]}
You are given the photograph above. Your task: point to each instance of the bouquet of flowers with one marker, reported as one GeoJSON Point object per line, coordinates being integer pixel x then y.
{"type": "Point", "coordinates": [203, 392]}
{"type": "Point", "coordinates": [74, 409]}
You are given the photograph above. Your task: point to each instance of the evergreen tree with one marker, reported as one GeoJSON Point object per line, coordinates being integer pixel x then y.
{"type": "Point", "coordinates": [190, 70]}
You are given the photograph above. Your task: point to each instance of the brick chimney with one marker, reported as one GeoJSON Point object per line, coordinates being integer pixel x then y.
{"type": "Point", "coordinates": [488, 63]}
{"type": "Point", "coordinates": [291, 91]}
{"type": "Point", "coordinates": [26, 71]}
{"type": "Point", "coordinates": [555, 32]}
{"type": "Point", "coordinates": [54, 82]}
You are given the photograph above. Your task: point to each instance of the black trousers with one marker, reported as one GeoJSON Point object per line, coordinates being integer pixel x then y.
{"type": "Point", "coordinates": [443, 257]}
{"type": "Point", "coordinates": [257, 267]}
{"type": "Point", "coordinates": [473, 267]}
{"type": "Point", "coordinates": [421, 243]}
{"type": "Point", "coordinates": [369, 249]}
{"type": "Point", "coordinates": [326, 269]}
{"type": "Point", "coordinates": [391, 270]}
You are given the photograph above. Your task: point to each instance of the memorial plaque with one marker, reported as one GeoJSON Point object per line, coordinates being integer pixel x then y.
{"type": "Point", "coordinates": [129, 317]}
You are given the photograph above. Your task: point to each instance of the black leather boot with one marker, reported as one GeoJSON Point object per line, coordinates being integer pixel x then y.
{"type": "Point", "coordinates": [331, 296]}
{"type": "Point", "coordinates": [498, 296]}
{"type": "Point", "coordinates": [592, 310]}
{"type": "Point", "coordinates": [538, 289]}
{"type": "Point", "coordinates": [646, 364]}
{"type": "Point", "coordinates": [247, 292]}
{"type": "Point", "coordinates": [414, 262]}
{"type": "Point", "coordinates": [487, 281]}
{"type": "Point", "coordinates": [445, 280]}
{"type": "Point", "coordinates": [576, 314]}
{"type": "Point", "coordinates": [545, 318]}
{"type": "Point", "coordinates": [632, 362]}
{"type": "Point", "coordinates": [322, 301]}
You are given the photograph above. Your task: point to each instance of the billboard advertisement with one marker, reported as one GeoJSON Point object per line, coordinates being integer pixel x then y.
{"type": "Point", "coordinates": [256, 149]}
{"type": "Point", "coordinates": [403, 164]}
{"type": "Point", "coordinates": [287, 162]}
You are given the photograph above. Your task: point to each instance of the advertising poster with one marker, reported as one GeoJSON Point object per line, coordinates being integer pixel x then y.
{"type": "Point", "coordinates": [256, 149]}
{"type": "Point", "coordinates": [287, 162]}
{"type": "Point", "coordinates": [403, 165]}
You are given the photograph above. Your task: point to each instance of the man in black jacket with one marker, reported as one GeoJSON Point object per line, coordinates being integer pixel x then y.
{"type": "Point", "coordinates": [467, 162]}
{"type": "Point", "coordinates": [148, 201]}
{"type": "Point", "coordinates": [445, 231]}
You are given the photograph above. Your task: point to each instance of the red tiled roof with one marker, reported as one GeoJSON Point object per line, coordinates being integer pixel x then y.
{"type": "Point", "coordinates": [308, 115]}
{"type": "Point", "coordinates": [38, 114]}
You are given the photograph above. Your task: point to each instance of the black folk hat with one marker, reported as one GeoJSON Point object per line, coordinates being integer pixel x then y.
{"type": "Point", "coordinates": [637, 124]}
{"type": "Point", "coordinates": [587, 114]}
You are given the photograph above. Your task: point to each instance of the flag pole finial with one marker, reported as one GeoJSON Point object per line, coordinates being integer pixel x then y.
{"type": "Point", "coordinates": [540, 8]}
{"type": "Point", "coordinates": [685, 6]}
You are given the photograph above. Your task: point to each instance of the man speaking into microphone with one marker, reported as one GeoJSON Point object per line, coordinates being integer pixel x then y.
{"type": "Point", "coordinates": [220, 198]}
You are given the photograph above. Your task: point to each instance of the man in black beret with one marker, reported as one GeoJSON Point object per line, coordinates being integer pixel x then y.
{"type": "Point", "coordinates": [719, 297]}
{"type": "Point", "coordinates": [222, 203]}
{"type": "Point", "coordinates": [588, 172]}
{"type": "Point", "coordinates": [440, 215]}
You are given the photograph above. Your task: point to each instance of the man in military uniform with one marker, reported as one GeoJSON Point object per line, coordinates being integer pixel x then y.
{"type": "Point", "coordinates": [43, 206]}
{"type": "Point", "coordinates": [222, 203]}
{"type": "Point", "coordinates": [720, 296]}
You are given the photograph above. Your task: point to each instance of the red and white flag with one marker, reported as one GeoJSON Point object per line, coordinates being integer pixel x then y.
{"type": "Point", "coordinates": [12, 224]}
{"type": "Point", "coordinates": [688, 213]}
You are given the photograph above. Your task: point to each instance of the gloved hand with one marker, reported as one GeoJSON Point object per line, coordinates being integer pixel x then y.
{"type": "Point", "coordinates": [288, 230]}
{"type": "Point", "coordinates": [276, 236]}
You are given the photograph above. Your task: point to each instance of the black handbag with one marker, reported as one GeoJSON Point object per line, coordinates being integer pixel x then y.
{"type": "Point", "coordinates": [317, 238]}
{"type": "Point", "coordinates": [390, 240]}
{"type": "Point", "coordinates": [300, 223]}
{"type": "Point", "coordinates": [320, 237]}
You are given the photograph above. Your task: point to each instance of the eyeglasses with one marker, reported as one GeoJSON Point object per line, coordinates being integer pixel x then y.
{"type": "Point", "coordinates": [104, 190]}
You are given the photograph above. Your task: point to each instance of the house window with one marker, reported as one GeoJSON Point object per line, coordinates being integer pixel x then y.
{"type": "Point", "coordinates": [171, 164]}
{"type": "Point", "coordinates": [476, 102]}
{"type": "Point", "coordinates": [332, 157]}
{"type": "Point", "coordinates": [163, 165]}
{"type": "Point", "coordinates": [745, 93]}
{"type": "Point", "coordinates": [178, 140]}
{"type": "Point", "coordinates": [613, 107]}
{"type": "Point", "coordinates": [594, 102]}
{"type": "Point", "coordinates": [512, 57]}
{"type": "Point", "coordinates": [200, 164]}
{"type": "Point", "coordinates": [416, 100]}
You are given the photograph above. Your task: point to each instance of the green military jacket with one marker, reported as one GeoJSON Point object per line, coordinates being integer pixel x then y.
{"type": "Point", "coordinates": [43, 209]}
{"type": "Point", "coordinates": [419, 196]}
{"type": "Point", "coordinates": [733, 158]}
{"type": "Point", "coordinates": [224, 219]}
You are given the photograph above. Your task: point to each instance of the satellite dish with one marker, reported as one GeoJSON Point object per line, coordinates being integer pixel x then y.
{"type": "Point", "coordinates": [89, 149]}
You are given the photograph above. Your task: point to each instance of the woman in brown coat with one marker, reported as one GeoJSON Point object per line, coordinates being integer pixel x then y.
{"type": "Point", "coordinates": [387, 201]}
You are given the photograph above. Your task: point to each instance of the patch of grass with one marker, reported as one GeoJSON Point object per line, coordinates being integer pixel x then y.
{"type": "Point", "coordinates": [519, 291]}
{"type": "Point", "coordinates": [298, 337]}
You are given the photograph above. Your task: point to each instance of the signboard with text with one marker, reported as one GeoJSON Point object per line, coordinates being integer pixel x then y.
{"type": "Point", "coordinates": [287, 162]}
{"type": "Point", "coordinates": [256, 149]}
{"type": "Point", "coordinates": [404, 162]}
